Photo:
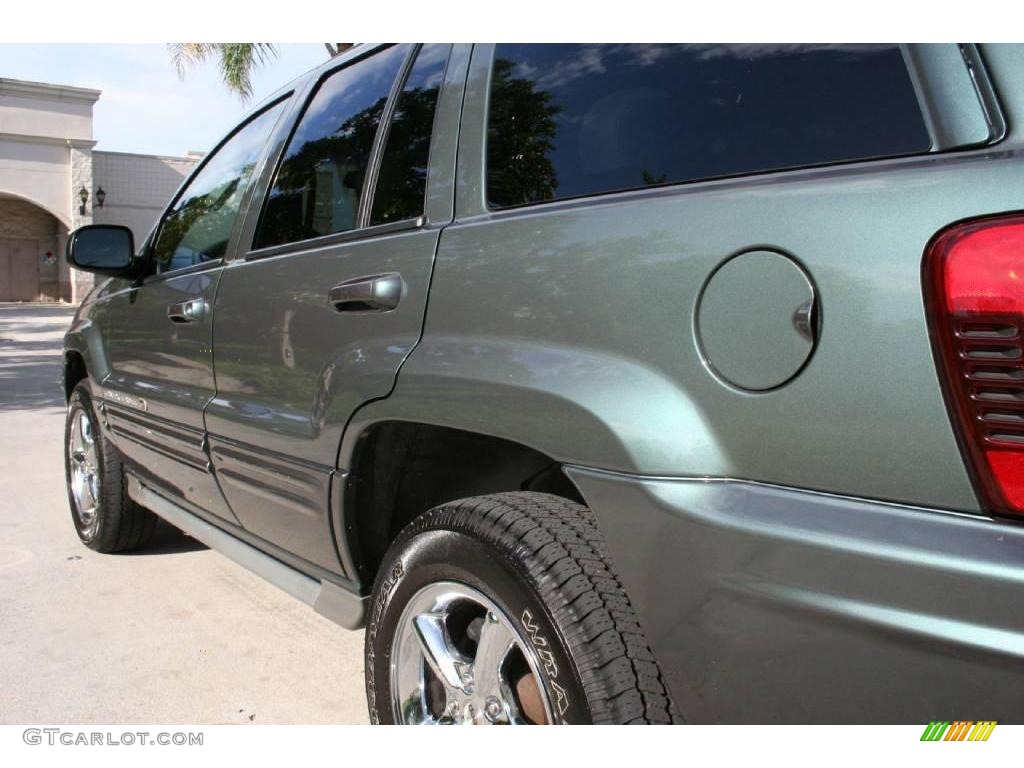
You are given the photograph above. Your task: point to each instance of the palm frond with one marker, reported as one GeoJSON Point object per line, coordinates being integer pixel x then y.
{"type": "Point", "coordinates": [236, 61]}
{"type": "Point", "coordinates": [185, 55]}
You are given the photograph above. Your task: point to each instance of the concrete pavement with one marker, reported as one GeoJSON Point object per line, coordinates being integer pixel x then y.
{"type": "Point", "coordinates": [173, 634]}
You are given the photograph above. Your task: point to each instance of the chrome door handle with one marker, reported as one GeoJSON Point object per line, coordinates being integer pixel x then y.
{"type": "Point", "coordinates": [373, 293]}
{"type": "Point", "coordinates": [188, 311]}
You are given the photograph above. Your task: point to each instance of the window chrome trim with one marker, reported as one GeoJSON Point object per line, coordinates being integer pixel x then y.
{"type": "Point", "coordinates": [990, 105]}
{"type": "Point", "coordinates": [202, 266]}
{"type": "Point", "coordinates": [337, 238]}
{"type": "Point", "coordinates": [739, 181]}
{"type": "Point", "coordinates": [954, 94]}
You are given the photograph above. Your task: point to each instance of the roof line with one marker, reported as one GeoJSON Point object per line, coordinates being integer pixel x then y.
{"type": "Point", "coordinates": [11, 87]}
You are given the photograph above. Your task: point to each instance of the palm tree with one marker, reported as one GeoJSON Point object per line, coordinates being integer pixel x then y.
{"type": "Point", "coordinates": [237, 60]}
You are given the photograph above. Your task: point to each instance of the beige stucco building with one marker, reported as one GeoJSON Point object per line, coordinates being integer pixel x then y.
{"type": "Point", "coordinates": [46, 160]}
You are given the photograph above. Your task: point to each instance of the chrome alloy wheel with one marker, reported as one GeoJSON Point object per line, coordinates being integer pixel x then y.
{"type": "Point", "coordinates": [85, 468]}
{"type": "Point", "coordinates": [458, 659]}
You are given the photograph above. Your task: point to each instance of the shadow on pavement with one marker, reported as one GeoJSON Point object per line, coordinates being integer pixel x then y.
{"type": "Point", "coordinates": [30, 355]}
{"type": "Point", "coordinates": [168, 540]}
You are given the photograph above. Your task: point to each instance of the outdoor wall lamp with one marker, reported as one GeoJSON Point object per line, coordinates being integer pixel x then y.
{"type": "Point", "coordinates": [100, 197]}
{"type": "Point", "coordinates": [83, 195]}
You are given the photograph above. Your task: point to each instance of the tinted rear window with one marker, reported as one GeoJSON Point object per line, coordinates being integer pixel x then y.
{"type": "Point", "coordinates": [402, 180]}
{"type": "Point", "coordinates": [319, 182]}
{"type": "Point", "coordinates": [573, 120]}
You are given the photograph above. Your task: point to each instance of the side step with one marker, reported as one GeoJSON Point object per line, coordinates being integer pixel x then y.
{"type": "Point", "coordinates": [329, 600]}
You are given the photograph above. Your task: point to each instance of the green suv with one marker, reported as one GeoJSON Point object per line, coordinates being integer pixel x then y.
{"type": "Point", "coordinates": [599, 383]}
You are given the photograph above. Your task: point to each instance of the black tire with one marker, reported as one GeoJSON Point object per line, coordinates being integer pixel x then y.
{"type": "Point", "coordinates": [119, 524]}
{"type": "Point", "coordinates": [543, 561]}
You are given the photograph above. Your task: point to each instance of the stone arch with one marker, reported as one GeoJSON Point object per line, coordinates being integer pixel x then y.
{"type": "Point", "coordinates": [32, 239]}
{"type": "Point", "coordinates": [60, 216]}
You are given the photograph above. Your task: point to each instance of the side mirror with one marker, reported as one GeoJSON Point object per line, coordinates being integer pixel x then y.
{"type": "Point", "coordinates": [105, 249]}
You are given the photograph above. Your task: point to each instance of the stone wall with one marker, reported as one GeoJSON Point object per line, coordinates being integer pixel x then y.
{"type": "Point", "coordinates": [22, 220]}
{"type": "Point", "coordinates": [81, 177]}
{"type": "Point", "coordinates": [46, 158]}
{"type": "Point", "coordinates": [138, 188]}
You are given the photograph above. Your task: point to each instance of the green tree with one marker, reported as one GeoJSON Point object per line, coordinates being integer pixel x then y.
{"type": "Point", "coordinates": [236, 60]}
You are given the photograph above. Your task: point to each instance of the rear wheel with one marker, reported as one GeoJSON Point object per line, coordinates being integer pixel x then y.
{"type": "Point", "coordinates": [505, 609]}
{"type": "Point", "coordinates": [105, 518]}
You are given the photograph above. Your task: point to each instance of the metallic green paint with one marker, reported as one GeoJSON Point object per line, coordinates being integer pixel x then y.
{"type": "Point", "coordinates": [569, 327]}
{"type": "Point", "coordinates": [746, 322]}
{"type": "Point", "coordinates": [772, 605]}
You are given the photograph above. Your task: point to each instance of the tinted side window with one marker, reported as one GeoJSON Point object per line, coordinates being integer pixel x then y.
{"type": "Point", "coordinates": [402, 179]}
{"type": "Point", "coordinates": [198, 226]}
{"type": "Point", "coordinates": [320, 180]}
{"type": "Point", "coordinates": [571, 120]}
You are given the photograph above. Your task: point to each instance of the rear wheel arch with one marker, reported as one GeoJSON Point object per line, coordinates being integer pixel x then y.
{"type": "Point", "coordinates": [399, 470]}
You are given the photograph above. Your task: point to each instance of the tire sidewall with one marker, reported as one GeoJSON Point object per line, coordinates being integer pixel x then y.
{"type": "Point", "coordinates": [437, 555]}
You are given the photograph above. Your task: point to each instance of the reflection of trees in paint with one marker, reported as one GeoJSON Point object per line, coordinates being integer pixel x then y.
{"type": "Point", "coordinates": [199, 229]}
{"type": "Point", "coordinates": [520, 136]}
{"type": "Point", "coordinates": [402, 182]}
{"type": "Point", "coordinates": [317, 188]}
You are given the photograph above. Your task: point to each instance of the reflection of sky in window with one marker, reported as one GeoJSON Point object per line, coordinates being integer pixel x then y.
{"type": "Point", "coordinates": [631, 115]}
{"type": "Point", "coordinates": [236, 158]}
{"type": "Point", "coordinates": [431, 60]}
{"type": "Point", "coordinates": [348, 92]}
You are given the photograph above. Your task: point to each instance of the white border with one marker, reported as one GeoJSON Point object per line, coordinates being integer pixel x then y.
{"type": "Point", "coordinates": [509, 20]}
{"type": "Point", "coordinates": [655, 747]}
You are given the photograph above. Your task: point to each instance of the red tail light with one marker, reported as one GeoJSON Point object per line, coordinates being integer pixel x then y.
{"type": "Point", "coordinates": [974, 294]}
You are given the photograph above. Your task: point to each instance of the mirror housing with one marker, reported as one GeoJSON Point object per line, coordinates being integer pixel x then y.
{"type": "Point", "coordinates": [105, 249]}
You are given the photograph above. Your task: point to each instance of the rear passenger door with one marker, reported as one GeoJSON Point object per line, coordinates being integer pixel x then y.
{"type": "Point", "coordinates": [328, 294]}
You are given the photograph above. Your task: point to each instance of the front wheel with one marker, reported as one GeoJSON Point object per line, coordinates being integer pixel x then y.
{"type": "Point", "coordinates": [505, 609]}
{"type": "Point", "coordinates": [106, 519]}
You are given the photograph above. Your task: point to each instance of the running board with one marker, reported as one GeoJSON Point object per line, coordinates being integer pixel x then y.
{"type": "Point", "coordinates": [329, 600]}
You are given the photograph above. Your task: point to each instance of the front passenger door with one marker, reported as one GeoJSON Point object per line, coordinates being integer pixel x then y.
{"type": "Point", "coordinates": [158, 333]}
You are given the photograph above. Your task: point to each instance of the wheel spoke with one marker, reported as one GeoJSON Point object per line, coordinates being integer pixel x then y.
{"type": "Point", "coordinates": [76, 447]}
{"type": "Point", "coordinates": [436, 678]}
{"type": "Point", "coordinates": [446, 661]}
{"type": "Point", "coordinates": [495, 643]}
{"type": "Point", "coordinates": [86, 429]}
{"type": "Point", "coordinates": [84, 479]}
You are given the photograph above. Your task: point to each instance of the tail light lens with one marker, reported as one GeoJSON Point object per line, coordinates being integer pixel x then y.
{"type": "Point", "coordinates": [974, 294]}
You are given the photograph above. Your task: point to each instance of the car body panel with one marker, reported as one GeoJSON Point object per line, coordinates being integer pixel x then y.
{"type": "Point", "coordinates": [776, 605]}
{"type": "Point", "coordinates": [159, 378]}
{"type": "Point", "coordinates": [614, 281]}
{"type": "Point", "coordinates": [166, 365]}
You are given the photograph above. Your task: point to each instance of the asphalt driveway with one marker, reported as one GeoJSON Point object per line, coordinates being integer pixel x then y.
{"type": "Point", "coordinates": [173, 634]}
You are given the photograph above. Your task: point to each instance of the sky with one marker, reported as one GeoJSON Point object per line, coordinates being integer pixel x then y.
{"type": "Point", "coordinates": [145, 107]}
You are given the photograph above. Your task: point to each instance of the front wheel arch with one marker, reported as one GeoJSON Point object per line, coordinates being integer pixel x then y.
{"type": "Point", "coordinates": [75, 370]}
